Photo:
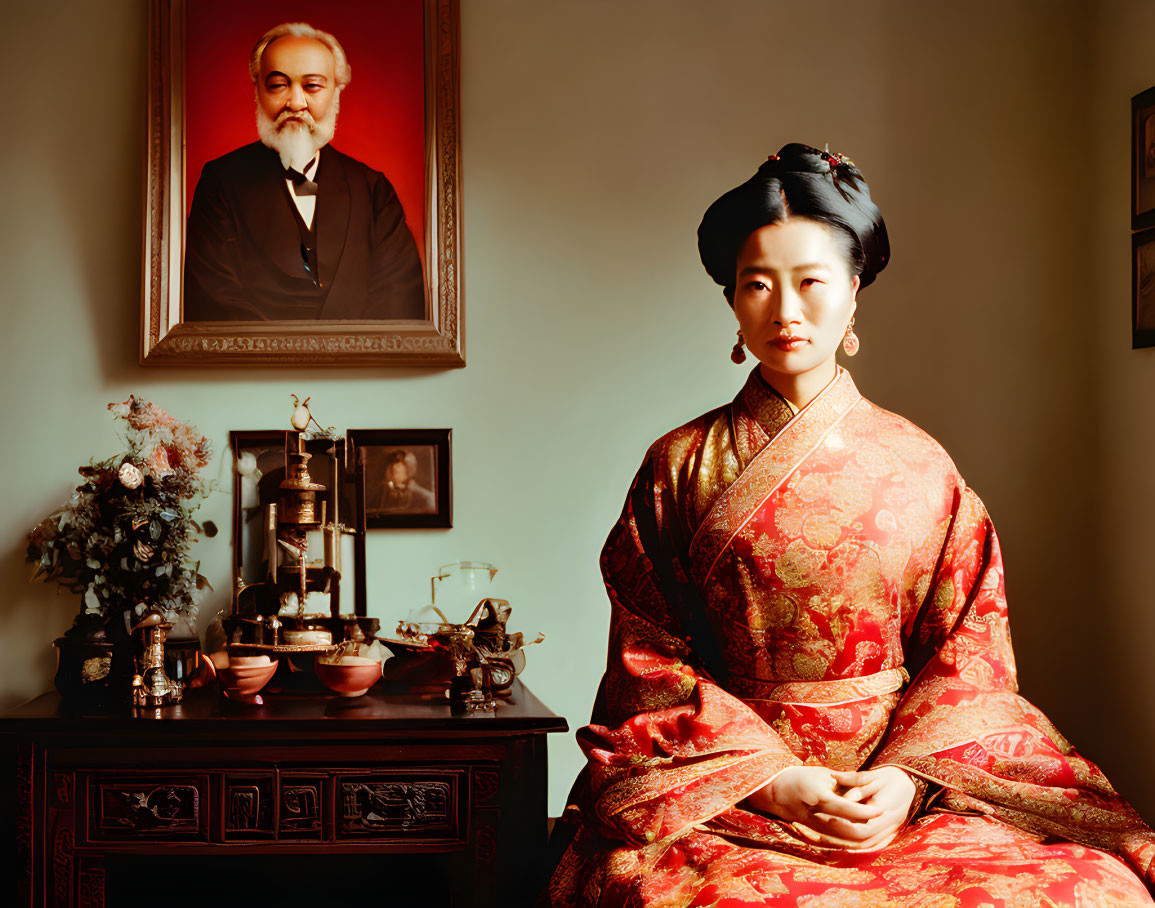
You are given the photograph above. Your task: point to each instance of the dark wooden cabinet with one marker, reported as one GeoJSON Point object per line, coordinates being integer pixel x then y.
{"type": "Point", "coordinates": [309, 799]}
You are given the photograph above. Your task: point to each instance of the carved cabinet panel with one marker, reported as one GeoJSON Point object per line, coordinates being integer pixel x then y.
{"type": "Point", "coordinates": [249, 807]}
{"type": "Point", "coordinates": [130, 807]}
{"type": "Point", "coordinates": [283, 804]}
{"type": "Point", "coordinates": [300, 798]}
{"type": "Point", "coordinates": [395, 805]}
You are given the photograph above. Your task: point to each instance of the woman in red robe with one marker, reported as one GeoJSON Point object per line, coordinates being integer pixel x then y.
{"type": "Point", "coordinates": [810, 694]}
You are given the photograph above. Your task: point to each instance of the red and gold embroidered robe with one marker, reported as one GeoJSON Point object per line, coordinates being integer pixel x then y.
{"type": "Point", "coordinates": [823, 588]}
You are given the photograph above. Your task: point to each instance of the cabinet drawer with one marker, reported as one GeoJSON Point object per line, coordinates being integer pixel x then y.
{"type": "Point", "coordinates": [424, 805]}
{"type": "Point", "coordinates": [146, 807]}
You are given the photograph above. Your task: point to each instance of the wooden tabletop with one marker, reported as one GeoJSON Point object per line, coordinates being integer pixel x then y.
{"type": "Point", "coordinates": [383, 710]}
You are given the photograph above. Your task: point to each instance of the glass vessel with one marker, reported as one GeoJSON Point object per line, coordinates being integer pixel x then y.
{"type": "Point", "coordinates": [458, 587]}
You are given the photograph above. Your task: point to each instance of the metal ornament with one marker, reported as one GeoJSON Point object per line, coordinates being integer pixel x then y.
{"type": "Point", "coordinates": [738, 354]}
{"type": "Point", "coordinates": [850, 343]}
{"type": "Point", "coordinates": [151, 687]}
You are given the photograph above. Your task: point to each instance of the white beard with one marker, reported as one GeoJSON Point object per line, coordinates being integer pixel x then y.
{"type": "Point", "coordinates": [297, 140]}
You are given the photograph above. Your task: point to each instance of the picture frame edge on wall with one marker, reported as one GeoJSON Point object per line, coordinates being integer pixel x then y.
{"type": "Point", "coordinates": [1140, 337]}
{"type": "Point", "coordinates": [1145, 100]}
{"type": "Point", "coordinates": [167, 340]}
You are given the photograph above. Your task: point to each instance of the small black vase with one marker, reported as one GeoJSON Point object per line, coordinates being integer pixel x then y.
{"type": "Point", "coordinates": [94, 663]}
{"type": "Point", "coordinates": [84, 663]}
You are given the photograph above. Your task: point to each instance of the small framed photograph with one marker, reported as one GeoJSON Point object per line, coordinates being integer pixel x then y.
{"type": "Point", "coordinates": [1143, 289]}
{"type": "Point", "coordinates": [276, 232]}
{"type": "Point", "coordinates": [1143, 160]}
{"type": "Point", "coordinates": [404, 477]}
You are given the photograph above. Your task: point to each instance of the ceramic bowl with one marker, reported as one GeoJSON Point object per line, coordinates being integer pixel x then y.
{"type": "Point", "coordinates": [242, 677]}
{"type": "Point", "coordinates": [351, 677]}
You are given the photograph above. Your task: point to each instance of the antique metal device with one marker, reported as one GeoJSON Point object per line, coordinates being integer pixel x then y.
{"type": "Point", "coordinates": [473, 663]}
{"type": "Point", "coordinates": [293, 557]}
{"type": "Point", "coordinates": [151, 687]}
{"type": "Point", "coordinates": [290, 521]}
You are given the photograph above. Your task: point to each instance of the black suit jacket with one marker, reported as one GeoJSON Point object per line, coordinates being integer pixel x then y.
{"type": "Point", "coordinates": [243, 248]}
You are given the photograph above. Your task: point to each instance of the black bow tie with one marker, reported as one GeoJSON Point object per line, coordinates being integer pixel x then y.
{"type": "Point", "coordinates": [302, 185]}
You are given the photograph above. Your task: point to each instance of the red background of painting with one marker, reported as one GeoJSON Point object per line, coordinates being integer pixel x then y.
{"type": "Point", "coordinates": [382, 118]}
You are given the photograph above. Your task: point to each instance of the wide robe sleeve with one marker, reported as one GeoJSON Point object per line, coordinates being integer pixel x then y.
{"type": "Point", "coordinates": [669, 748]}
{"type": "Point", "coordinates": [963, 725]}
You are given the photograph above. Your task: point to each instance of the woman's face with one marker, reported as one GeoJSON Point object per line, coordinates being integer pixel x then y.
{"type": "Point", "coordinates": [794, 296]}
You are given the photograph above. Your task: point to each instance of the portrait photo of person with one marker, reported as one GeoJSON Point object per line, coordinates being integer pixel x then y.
{"type": "Point", "coordinates": [405, 477]}
{"type": "Point", "coordinates": [401, 480]}
{"type": "Point", "coordinates": [285, 226]}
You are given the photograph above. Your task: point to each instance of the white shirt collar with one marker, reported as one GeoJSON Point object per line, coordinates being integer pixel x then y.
{"type": "Point", "coordinates": [310, 170]}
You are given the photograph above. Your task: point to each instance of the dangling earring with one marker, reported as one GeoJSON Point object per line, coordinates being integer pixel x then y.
{"type": "Point", "coordinates": [850, 343]}
{"type": "Point", "coordinates": [738, 355]}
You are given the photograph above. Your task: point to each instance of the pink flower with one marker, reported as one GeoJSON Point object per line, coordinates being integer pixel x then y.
{"type": "Point", "coordinates": [141, 414]}
{"type": "Point", "coordinates": [161, 446]}
{"type": "Point", "coordinates": [189, 449]}
{"type": "Point", "coordinates": [158, 463]}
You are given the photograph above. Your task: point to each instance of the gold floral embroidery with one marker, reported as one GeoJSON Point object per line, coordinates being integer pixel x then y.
{"type": "Point", "coordinates": [847, 552]}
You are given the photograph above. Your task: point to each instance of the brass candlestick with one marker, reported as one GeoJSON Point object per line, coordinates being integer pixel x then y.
{"type": "Point", "coordinates": [151, 687]}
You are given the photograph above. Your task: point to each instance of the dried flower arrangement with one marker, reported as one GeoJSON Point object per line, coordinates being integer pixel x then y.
{"type": "Point", "coordinates": [123, 539]}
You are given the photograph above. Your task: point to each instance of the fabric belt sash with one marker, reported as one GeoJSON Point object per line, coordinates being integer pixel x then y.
{"type": "Point", "coordinates": [817, 693]}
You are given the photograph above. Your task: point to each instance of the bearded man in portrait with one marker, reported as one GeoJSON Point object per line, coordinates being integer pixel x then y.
{"type": "Point", "coordinates": [288, 227]}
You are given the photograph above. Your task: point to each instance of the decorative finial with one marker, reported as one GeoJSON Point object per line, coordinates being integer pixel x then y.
{"type": "Point", "coordinates": [302, 417]}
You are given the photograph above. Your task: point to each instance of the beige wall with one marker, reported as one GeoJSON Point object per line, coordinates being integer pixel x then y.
{"type": "Point", "coordinates": [594, 135]}
{"type": "Point", "coordinates": [1119, 613]}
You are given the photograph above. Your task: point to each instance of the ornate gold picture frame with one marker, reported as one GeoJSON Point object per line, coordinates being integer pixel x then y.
{"type": "Point", "coordinates": [167, 338]}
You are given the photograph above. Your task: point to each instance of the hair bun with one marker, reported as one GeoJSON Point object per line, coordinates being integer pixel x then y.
{"type": "Point", "coordinates": [798, 181]}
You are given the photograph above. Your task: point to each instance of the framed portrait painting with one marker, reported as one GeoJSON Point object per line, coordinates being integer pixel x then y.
{"type": "Point", "coordinates": [404, 477]}
{"type": "Point", "coordinates": [1143, 160]}
{"type": "Point", "coordinates": [276, 231]}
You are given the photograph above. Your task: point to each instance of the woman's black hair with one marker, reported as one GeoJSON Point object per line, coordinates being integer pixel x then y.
{"type": "Point", "coordinates": [800, 182]}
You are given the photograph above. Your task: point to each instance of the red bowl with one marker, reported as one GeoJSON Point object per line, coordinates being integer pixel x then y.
{"type": "Point", "coordinates": [351, 677]}
{"type": "Point", "coordinates": [243, 676]}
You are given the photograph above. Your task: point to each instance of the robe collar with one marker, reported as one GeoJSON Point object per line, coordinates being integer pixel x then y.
{"type": "Point", "coordinates": [761, 413]}
{"type": "Point", "coordinates": [770, 442]}
{"type": "Point", "coordinates": [765, 405]}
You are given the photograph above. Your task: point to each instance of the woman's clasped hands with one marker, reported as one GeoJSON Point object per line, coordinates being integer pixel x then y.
{"type": "Point", "coordinates": [860, 810]}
